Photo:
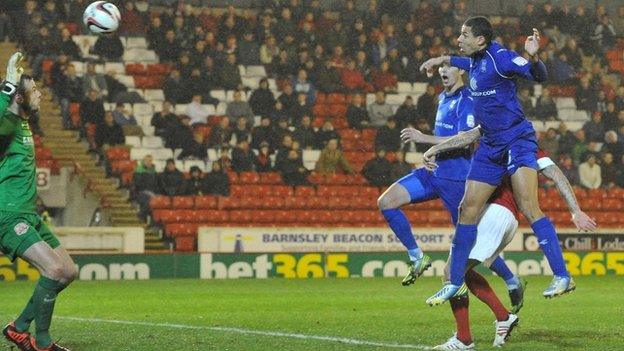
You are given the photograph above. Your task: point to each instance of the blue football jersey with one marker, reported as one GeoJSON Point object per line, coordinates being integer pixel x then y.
{"type": "Point", "coordinates": [492, 75]}
{"type": "Point", "coordinates": [455, 114]}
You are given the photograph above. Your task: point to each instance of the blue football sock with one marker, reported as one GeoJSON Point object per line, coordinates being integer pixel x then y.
{"type": "Point", "coordinates": [512, 283]}
{"type": "Point", "coordinates": [499, 267]}
{"type": "Point", "coordinates": [403, 230]}
{"type": "Point", "coordinates": [547, 237]}
{"type": "Point", "coordinates": [463, 241]}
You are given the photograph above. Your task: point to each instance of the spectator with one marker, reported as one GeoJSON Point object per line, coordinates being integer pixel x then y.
{"type": "Point", "coordinates": [305, 133]}
{"type": "Point", "coordinates": [241, 131]}
{"type": "Point", "coordinates": [613, 145]}
{"type": "Point", "coordinates": [328, 78]}
{"type": "Point", "coordinates": [379, 111]}
{"type": "Point", "coordinates": [573, 53]}
{"type": "Point", "coordinates": [399, 167]}
{"type": "Point", "coordinates": [279, 112]}
{"type": "Point", "coordinates": [300, 109]}
{"type": "Point", "coordinates": [180, 134]}
{"type": "Point", "coordinates": [569, 170]}
{"type": "Point", "coordinates": [243, 159]}
{"type": "Point", "coordinates": [109, 47]}
{"type": "Point", "coordinates": [249, 51]}
{"type": "Point", "coordinates": [116, 90]}
{"type": "Point", "coordinates": [169, 49]}
{"type": "Point", "coordinates": [561, 70]}
{"type": "Point", "coordinates": [549, 143]}
{"type": "Point", "coordinates": [620, 173]}
{"type": "Point", "coordinates": [412, 70]}
{"type": "Point", "coordinates": [269, 51]}
{"type": "Point", "coordinates": [156, 36]}
{"type": "Point", "coordinates": [302, 85]}
{"type": "Point", "coordinates": [376, 170]}
{"type": "Point", "coordinates": [171, 180]}
{"type": "Point", "coordinates": [262, 99]}
{"type": "Point", "coordinates": [195, 149]}
{"type": "Point", "coordinates": [580, 146]}
{"type": "Point", "coordinates": [239, 108]}
{"type": "Point", "coordinates": [126, 120]}
{"type": "Point", "coordinates": [262, 133]}
{"type": "Point", "coordinates": [610, 118]}
{"type": "Point", "coordinates": [332, 160]}
{"type": "Point", "coordinates": [353, 79]}
{"type": "Point", "coordinates": [526, 102]}
{"type": "Point", "coordinates": [288, 98]}
{"type": "Point", "coordinates": [293, 172]}
{"type": "Point", "coordinates": [325, 134]}
{"type": "Point", "coordinates": [280, 131]}
{"type": "Point", "coordinates": [224, 157]}
{"type": "Point", "coordinates": [229, 75]}
{"type": "Point", "coordinates": [164, 120]}
{"type": "Point", "coordinates": [383, 79]}
{"type": "Point", "coordinates": [131, 21]}
{"type": "Point", "coordinates": [567, 140]}
{"type": "Point", "coordinates": [594, 129]}
{"type": "Point", "coordinates": [608, 171]}
{"type": "Point", "coordinates": [586, 97]}
{"type": "Point", "coordinates": [601, 102]}
{"type": "Point", "coordinates": [69, 91]}
{"type": "Point", "coordinates": [604, 35]}
{"type": "Point", "coordinates": [406, 114]}
{"type": "Point", "coordinates": [263, 161]}
{"type": "Point", "coordinates": [174, 89]}
{"type": "Point", "coordinates": [395, 64]}
{"type": "Point", "coordinates": [68, 46]}
{"type": "Point", "coordinates": [217, 181]}
{"type": "Point", "coordinates": [357, 115]}
{"type": "Point", "coordinates": [196, 111]}
{"type": "Point", "coordinates": [619, 98]}
{"type": "Point", "coordinates": [285, 145]}
{"type": "Point", "coordinates": [109, 133]}
{"type": "Point", "coordinates": [590, 174]}
{"type": "Point", "coordinates": [92, 80]}
{"type": "Point", "coordinates": [46, 46]}
{"type": "Point", "coordinates": [427, 105]}
{"type": "Point", "coordinates": [144, 184]}
{"type": "Point", "coordinates": [91, 111]}
{"type": "Point", "coordinates": [194, 185]}
{"type": "Point", "coordinates": [283, 68]}
{"type": "Point", "coordinates": [389, 136]}
{"type": "Point", "coordinates": [545, 108]}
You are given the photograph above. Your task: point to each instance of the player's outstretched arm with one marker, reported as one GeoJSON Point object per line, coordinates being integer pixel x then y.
{"type": "Point", "coordinates": [581, 220]}
{"type": "Point", "coordinates": [458, 141]}
{"type": "Point", "coordinates": [430, 65]}
{"type": "Point", "coordinates": [414, 135]}
{"type": "Point", "coordinates": [532, 45]}
{"type": "Point", "coordinates": [13, 75]}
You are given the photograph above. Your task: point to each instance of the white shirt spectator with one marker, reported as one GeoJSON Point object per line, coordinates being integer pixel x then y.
{"type": "Point", "coordinates": [590, 173]}
{"type": "Point", "coordinates": [196, 111]}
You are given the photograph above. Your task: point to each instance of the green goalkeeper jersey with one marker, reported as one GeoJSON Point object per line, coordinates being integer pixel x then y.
{"type": "Point", "coordinates": [18, 185]}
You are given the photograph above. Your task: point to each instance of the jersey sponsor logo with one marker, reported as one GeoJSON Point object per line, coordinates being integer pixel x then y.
{"type": "Point", "coordinates": [473, 83]}
{"type": "Point", "coordinates": [470, 120]}
{"type": "Point", "coordinates": [520, 61]}
{"type": "Point", "coordinates": [20, 228]}
{"type": "Point", "coordinates": [444, 125]}
{"type": "Point", "coordinates": [483, 93]}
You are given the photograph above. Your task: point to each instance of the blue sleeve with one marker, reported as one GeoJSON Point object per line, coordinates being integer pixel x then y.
{"type": "Point", "coordinates": [461, 62]}
{"type": "Point", "coordinates": [465, 113]}
{"type": "Point", "coordinates": [510, 64]}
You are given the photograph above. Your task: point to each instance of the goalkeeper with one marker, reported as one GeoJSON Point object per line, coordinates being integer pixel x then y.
{"type": "Point", "coordinates": [22, 232]}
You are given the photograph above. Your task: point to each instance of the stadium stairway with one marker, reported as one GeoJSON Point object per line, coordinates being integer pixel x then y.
{"type": "Point", "coordinates": [70, 153]}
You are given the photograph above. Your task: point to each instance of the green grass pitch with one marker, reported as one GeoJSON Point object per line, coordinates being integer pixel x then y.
{"type": "Point", "coordinates": [373, 314]}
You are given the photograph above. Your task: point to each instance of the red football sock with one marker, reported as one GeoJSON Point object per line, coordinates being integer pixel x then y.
{"type": "Point", "coordinates": [459, 305]}
{"type": "Point", "coordinates": [480, 288]}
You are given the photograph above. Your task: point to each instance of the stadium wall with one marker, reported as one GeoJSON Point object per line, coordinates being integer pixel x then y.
{"type": "Point", "coordinates": [298, 265]}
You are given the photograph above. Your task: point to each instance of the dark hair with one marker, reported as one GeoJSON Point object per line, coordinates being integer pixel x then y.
{"type": "Point", "coordinates": [21, 86]}
{"type": "Point", "coordinates": [480, 26]}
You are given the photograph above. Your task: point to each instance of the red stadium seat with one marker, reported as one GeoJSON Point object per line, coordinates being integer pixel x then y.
{"type": "Point", "coordinates": [337, 110]}
{"type": "Point", "coordinates": [270, 178]}
{"type": "Point", "coordinates": [160, 202]}
{"type": "Point", "coordinates": [335, 98]}
{"type": "Point", "coordinates": [316, 178]}
{"type": "Point", "coordinates": [610, 204]}
{"type": "Point", "coordinates": [181, 229]}
{"type": "Point", "coordinates": [240, 216]}
{"type": "Point", "coordinates": [237, 190]}
{"type": "Point", "coordinates": [249, 178]}
{"type": "Point", "coordinates": [229, 203]}
{"type": "Point", "coordinates": [180, 202]}
{"type": "Point", "coordinates": [439, 218]}
{"type": "Point", "coordinates": [185, 244]}
{"type": "Point", "coordinates": [117, 153]}
{"type": "Point", "coordinates": [320, 111]}
{"type": "Point", "coordinates": [304, 191]}
{"type": "Point", "coordinates": [212, 216]}
{"type": "Point", "coordinates": [316, 202]}
{"type": "Point", "coordinates": [296, 202]}
{"type": "Point", "coordinates": [320, 98]}
{"type": "Point", "coordinates": [369, 191]}
{"type": "Point", "coordinates": [272, 202]}
{"type": "Point", "coordinates": [206, 202]}
{"type": "Point", "coordinates": [616, 193]}
{"type": "Point", "coordinates": [280, 190]}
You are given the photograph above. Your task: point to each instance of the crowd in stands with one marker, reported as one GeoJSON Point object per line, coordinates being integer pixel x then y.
{"type": "Point", "coordinates": [310, 50]}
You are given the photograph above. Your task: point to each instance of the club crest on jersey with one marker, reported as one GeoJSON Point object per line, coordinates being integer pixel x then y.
{"type": "Point", "coordinates": [483, 66]}
{"type": "Point", "coordinates": [473, 83]}
{"type": "Point", "coordinates": [452, 104]}
{"type": "Point", "coordinates": [20, 228]}
{"type": "Point", "coordinates": [28, 140]}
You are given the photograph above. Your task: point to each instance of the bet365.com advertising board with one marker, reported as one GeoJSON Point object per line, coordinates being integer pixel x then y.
{"type": "Point", "coordinates": [296, 265]}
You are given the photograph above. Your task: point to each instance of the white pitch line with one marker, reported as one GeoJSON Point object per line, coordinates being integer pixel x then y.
{"type": "Point", "coordinates": [253, 332]}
